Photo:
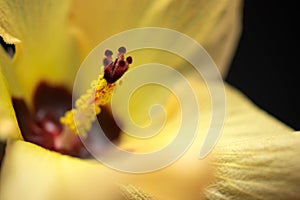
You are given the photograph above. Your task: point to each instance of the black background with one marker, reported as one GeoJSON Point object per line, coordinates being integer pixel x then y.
{"type": "Point", "coordinates": [266, 61]}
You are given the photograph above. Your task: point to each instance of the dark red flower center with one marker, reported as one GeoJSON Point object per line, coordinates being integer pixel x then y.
{"type": "Point", "coordinates": [41, 125]}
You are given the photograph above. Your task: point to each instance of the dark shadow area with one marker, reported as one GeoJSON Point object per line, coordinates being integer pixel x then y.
{"type": "Point", "coordinates": [2, 150]}
{"type": "Point", "coordinates": [266, 62]}
{"type": "Point", "coordinates": [9, 48]}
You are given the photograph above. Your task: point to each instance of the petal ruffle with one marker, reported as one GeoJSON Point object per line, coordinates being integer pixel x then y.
{"type": "Point", "coordinates": [264, 167]}
{"type": "Point", "coordinates": [256, 157]}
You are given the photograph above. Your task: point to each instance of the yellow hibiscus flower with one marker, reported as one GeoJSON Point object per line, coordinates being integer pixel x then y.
{"type": "Point", "coordinates": [253, 159]}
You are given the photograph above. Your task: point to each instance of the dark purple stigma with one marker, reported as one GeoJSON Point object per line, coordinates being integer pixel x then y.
{"type": "Point", "coordinates": [115, 70]}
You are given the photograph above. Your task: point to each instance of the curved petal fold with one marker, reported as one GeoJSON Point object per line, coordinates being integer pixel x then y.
{"type": "Point", "coordinates": [45, 49]}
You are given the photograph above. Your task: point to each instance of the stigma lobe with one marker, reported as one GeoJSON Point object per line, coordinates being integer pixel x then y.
{"type": "Point", "coordinates": [115, 70]}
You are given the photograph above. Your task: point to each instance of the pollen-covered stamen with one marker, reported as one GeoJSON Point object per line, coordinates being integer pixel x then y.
{"type": "Point", "coordinates": [80, 118]}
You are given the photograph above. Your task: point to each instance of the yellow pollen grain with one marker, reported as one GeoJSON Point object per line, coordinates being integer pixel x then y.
{"type": "Point", "coordinates": [80, 118]}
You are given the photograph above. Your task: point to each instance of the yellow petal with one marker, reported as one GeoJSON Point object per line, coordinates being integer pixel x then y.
{"type": "Point", "coordinates": [55, 176]}
{"type": "Point", "coordinates": [8, 123]}
{"type": "Point", "coordinates": [31, 172]}
{"type": "Point", "coordinates": [246, 121]}
{"type": "Point", "coordinates": [44, 47]}
{"type": "Point", "coordinates": [214, 24]}
{"type": "Point", "coordinates": [256, 157]}
{"type": "Point", "coordinates": [264, 167]}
